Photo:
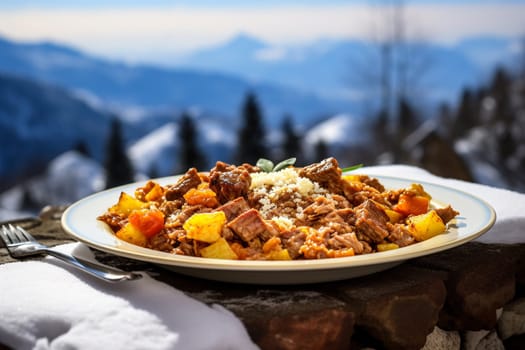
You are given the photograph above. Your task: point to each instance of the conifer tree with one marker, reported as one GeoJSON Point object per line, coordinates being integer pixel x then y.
{"type": "Point", "coordinates": [408, 120]}
{"type": "Point", "coordinates": [291, 146]}
{"type": "Point", "coordinates": [118, 167]}
{"type": "Point", "coordinates": [445, 117]}
{"type": "Point", "coordinates": [379, 127]}
{"type": "Point", "coordinates": [466, 116]}
{"type": "Point", "coordinates": [251, 137]}
{"type": "Point", "coordinates": [500, 91]}
{"type": "Point", "coordinates": [320, 150]}
{"type": "Point", "coordinates": [82, 148]}
{"type": "Point", "coordinates": [190, 155]}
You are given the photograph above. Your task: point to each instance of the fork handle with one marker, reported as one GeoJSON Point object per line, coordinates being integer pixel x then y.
{"type": "Point", "coordinates": [94, 269]}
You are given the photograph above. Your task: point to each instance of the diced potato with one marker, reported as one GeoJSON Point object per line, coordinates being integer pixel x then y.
{"type": "Point", "coordinates": [273, 243]}
{"type": "Point", "coordinates": [126, 204]}
{"type": "Point", "coordinates": [418, 190]}
{"type": "Point", "coordinates": [386, 246]}
{"type": "Point", "coordinates": [341, 253]}
{"type": "Point", "coordinates": [220, 249]}
{"type": "Point", "coordinates": [155, 193]}
{"type": "Point", "coordinates": [205, 227]}
{"type": "Point", "coordinates": [352, 178]}
{"type": "Point", "coordinates": [131, 234]}
{"type": "Point", "coordinates": [281, 254]}
{"type": "Point", "coordinates": [273, 251]}
{"type": "Point", "coordinates": [426, 226]}
{"type": "Point", "coordinates": [393, 215]}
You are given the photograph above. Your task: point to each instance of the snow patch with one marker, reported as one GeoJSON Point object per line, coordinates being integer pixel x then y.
{"type": "Point", "coordinates": [155, 150]}
{"type": "Point", "coordinates": [342, 129]}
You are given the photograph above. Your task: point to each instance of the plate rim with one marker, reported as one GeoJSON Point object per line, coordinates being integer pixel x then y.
{"type": "Point", "coordinates": [131, 251]}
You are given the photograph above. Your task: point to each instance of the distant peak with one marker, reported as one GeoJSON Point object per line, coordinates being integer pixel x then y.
{"type": "Point", "coordinates": [246, 41]}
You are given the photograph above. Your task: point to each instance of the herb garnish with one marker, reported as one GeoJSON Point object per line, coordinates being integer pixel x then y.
{"type": "Point", "coordinates": [353, 167]}
{"type": "Point", "coordinates": [267, 166]}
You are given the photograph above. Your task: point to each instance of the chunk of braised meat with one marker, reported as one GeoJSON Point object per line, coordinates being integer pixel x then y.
{"type": "Point", "coordinates": [372, 182]}
{"type": "Point", "coordinates": [446, 214]}
{"type": "Point", "coordinates": [229, 182]}
{"type": "Point", "coordinates": [179, 217]}
{"type": "Point", "coordinates": [114, 221]}
{"type": "Point", "coordinates": [170, 207]}
{"type": "Point", "coordinates": [161, 242]}
{"type": "Point", "coordinates": [347, 214]}
{"type": "Point", "coordinates": [189, 180]}
{"type": "Point", "coordinates": [185, 248]}
{"type": "Point", "coordinates": [227, 233]}
{"type": "Point", "coordinates": [359, 192]}
{"type": "Point", "coordinates": [320, 208]}
{"type": "Point", "coordinates": [314, 246]}
{"type": "Point", "coordinates": [221, 167]}
{"type": "Point", "coordinates": [364, 181]}
{"type": "Point", "coordinates": [367, 248]}
{"type": "Point", "coordinates": [371, 222]}
{"type": "Point", "coordinates": [292, 241]}
{"type": "Point", "coordinates": [331, 219]}
{"type": "Point", "coordinates": [341, 202]}
{"type": "Point", "coordinates": [250, 225]}
{"type": "Point", "coordinates": [326, 173]}
{"type": "Point", "coordinates": [234, 208]}
{"type": "Point", "coordinates": [400, 235]}
{"type": "Point", "coordinates": [346, 240]}
{"type": "Point", "coordinates": [249, 168]}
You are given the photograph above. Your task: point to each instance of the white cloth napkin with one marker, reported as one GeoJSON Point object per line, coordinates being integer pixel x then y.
{"type": "Point", "coordinates": [509, 205]}
{"type": "Point", "coordinates": [47, 305]}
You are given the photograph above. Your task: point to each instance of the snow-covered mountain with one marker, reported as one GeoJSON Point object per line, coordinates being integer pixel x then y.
{"type": "Point", "coordinates": [39, 121]}
{"type": "Point", "coordinates": [338, 67]}
{"type": "Point", "coordinates": [123, 86]}
{"type": "Point", "coordinates": [308, 80]}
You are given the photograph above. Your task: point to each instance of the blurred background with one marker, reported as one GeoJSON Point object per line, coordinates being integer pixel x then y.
{"type": "Point", "coordinates": [94, 94]}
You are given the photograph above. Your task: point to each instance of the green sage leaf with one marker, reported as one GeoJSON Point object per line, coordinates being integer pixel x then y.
{"type": "Point", "coordinates": [284, 164]}
{"type": "Point", "coordinates": [265, 165]}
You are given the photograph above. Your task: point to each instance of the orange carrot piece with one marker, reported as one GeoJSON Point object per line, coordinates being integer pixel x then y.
{"type": "Point", "coordinates": [148, 221]}
{"type": "Point", "coordinates": [412, 205]}
{"type": "Point", "coordinates": [201, 196]}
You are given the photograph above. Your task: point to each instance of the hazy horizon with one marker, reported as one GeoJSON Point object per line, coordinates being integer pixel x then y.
{"type": "Point", "coordinates": [161, 31]}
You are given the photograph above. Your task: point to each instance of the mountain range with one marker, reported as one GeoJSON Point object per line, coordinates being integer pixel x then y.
{"type": "Point", "coordinates": [53, 97]}
{"type": "Point", "coordinates": [337, 68]}
{"type": "Point", "coordinates": [126, 88]}
{"type": "Point", "coordinates": [308, 81]}
{"type": "Point", "coordinates": [39, 121]}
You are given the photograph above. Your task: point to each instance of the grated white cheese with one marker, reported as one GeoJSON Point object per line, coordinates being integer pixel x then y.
{"type": "Point", "coordinates": [271, 186]}
{"type": "Point", "coordinates": [284, 180]}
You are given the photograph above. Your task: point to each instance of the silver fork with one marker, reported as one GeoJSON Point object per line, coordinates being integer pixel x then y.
{"type": "Point", "coordinates": [20, 243]}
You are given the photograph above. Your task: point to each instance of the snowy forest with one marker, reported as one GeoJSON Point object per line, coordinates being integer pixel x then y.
{"type": "Point", "coordinates": [481, 138]}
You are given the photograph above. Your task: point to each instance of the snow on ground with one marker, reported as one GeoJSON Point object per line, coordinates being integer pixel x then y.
{"type": "Point", "coordinates": [68, 178]}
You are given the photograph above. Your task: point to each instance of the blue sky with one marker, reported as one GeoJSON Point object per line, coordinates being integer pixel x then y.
{"type": "Point", "coordinates": [158, 30]}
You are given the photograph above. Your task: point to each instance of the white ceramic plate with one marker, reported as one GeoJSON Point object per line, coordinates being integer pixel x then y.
{"type": "Point", "coordinates": [476, 217]}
